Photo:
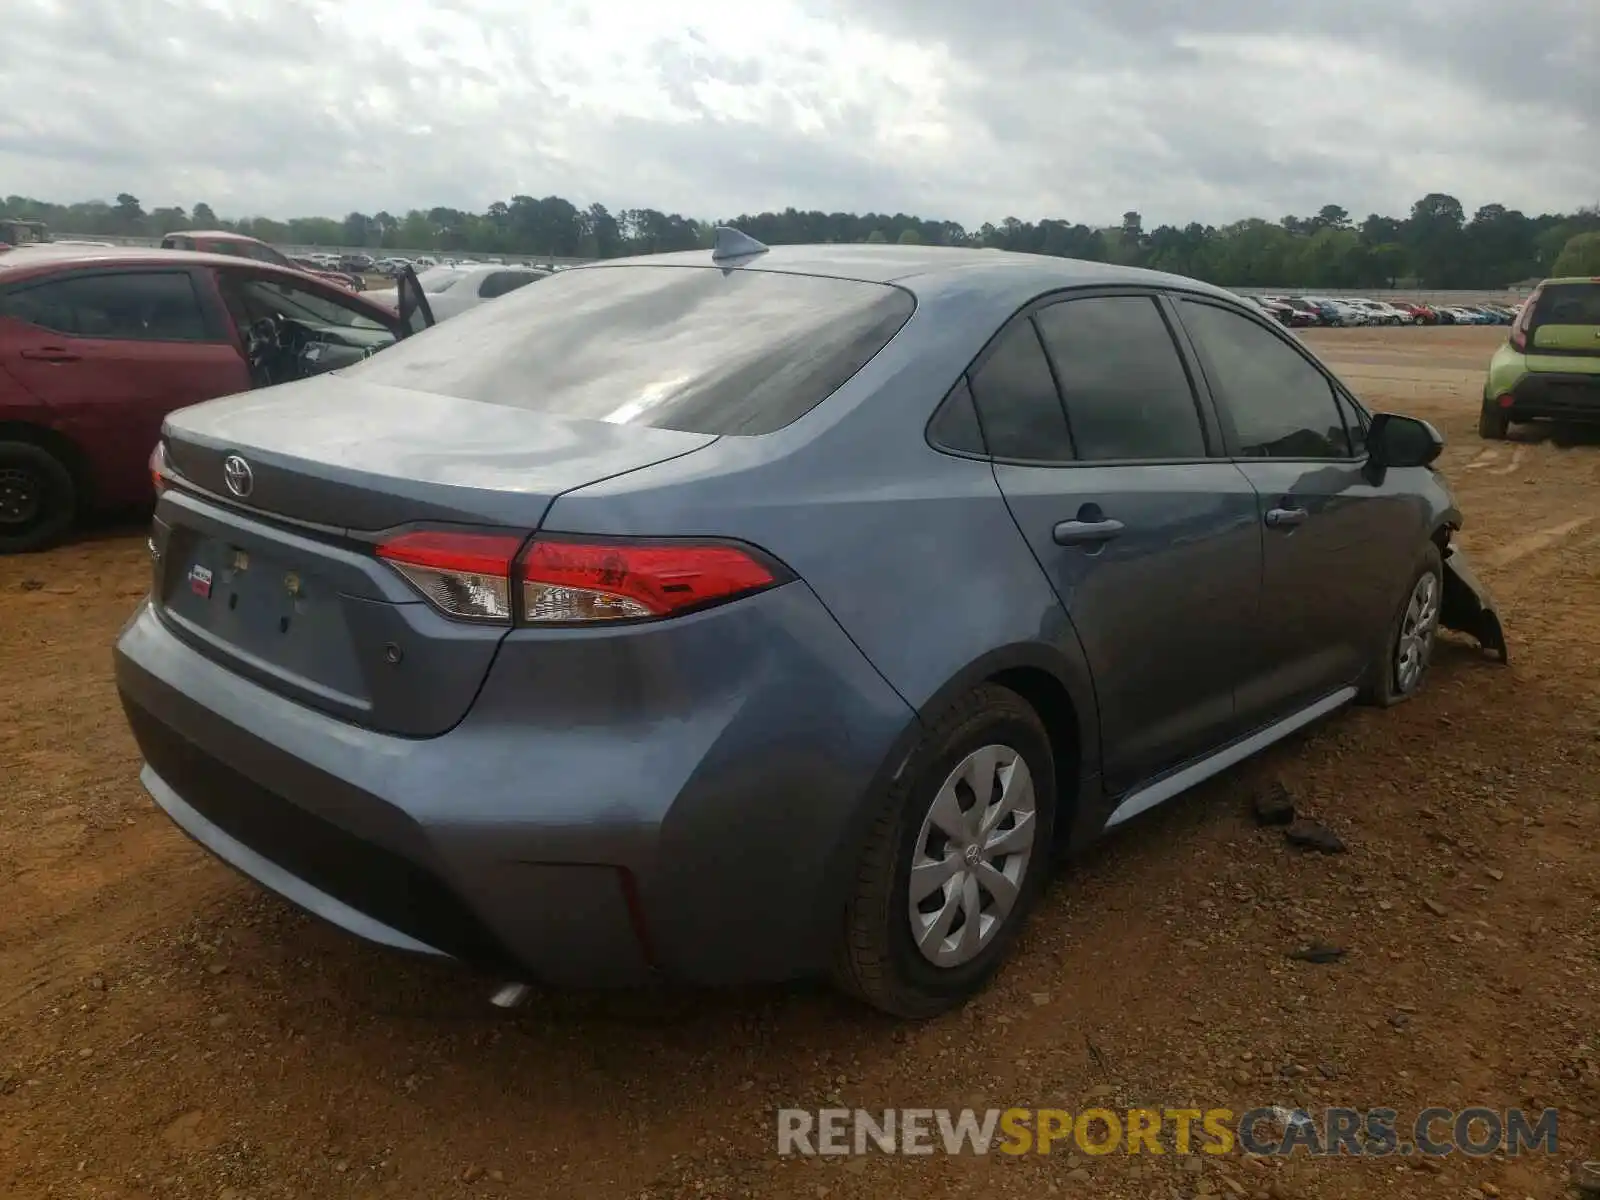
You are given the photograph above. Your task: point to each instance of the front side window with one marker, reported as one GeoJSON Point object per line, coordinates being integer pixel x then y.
{"type": "Point", "coordinates": [1126, 390]}
{"type": "Point", "coordinates": [1280, 404]}
{"type": "Point", "coordinates": [268, 297]}
{"type": "Point", "coordinates": [1018, 405]}
{"type": "Point", "coordinates": [125, 306]}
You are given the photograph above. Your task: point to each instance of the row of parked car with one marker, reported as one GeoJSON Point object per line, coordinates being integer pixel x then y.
{"type": "Point", "coordinates": [1299, 312]}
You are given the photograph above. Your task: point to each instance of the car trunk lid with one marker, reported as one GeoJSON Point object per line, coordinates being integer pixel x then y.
{"type": "Point", "coordinates": [283, 584]}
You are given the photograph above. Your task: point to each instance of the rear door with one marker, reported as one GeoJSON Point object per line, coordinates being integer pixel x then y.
{"type": "Point", "coordinates": [1149, 536]}
{"type": "Point", "coordinates": [111, 353]}
{"type": "Point", "coordinates": [1339, 541]}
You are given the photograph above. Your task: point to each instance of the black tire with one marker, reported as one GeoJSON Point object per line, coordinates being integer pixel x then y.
{"type": "Point", "coordinates": [37, 498]}
{"type": "Point", "coordinates": [1385, 686]}
{"type": "Point", "coordinates": [877, 959]}
{"type": "Point", "coordinates": [1493, 424]}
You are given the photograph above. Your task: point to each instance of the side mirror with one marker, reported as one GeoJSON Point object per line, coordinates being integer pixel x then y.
{"type": "Point", "coordinates": [1396, 441]}
{"type": "Point", "coordinates": [415, 312]}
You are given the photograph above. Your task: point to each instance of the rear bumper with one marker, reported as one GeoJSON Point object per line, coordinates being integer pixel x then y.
{"type": "Point", "coordinates": [1569, 397]}
{"type": "Point", "coordinates": [694, 814]}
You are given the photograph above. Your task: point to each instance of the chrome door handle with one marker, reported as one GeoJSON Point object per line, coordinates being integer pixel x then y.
{"type": "Point", "coordinates": [1286, 518]}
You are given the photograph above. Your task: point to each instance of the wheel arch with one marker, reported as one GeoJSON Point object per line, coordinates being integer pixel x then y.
{"type": "Point", "coordinates": [53, 441]}
{"type": "Point", "coordinates": [1057, 685]}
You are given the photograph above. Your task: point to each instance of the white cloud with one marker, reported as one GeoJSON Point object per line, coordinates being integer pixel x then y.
{"type": "Point", "coordinates": [947, 108]}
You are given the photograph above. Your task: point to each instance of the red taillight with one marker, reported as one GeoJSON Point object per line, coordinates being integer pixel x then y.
{"type": "Point", "coordinates": [566, 582]}
{"type": "Point", "coordinates": [1507, 400]}
{"type": "Point", "coordinates": [158, 465]}
{"type": "Point", "coordinates": [465, 575]}
{"type": "Point", "coordinates": [1519, 330]}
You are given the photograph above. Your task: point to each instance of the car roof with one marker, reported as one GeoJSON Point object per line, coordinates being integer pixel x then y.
{"type": "Point", "coordinates": [927, 271]}
{"type": "Point", "coordinates": [44, 257]}
{"type": "Point", "coordinates": [480, 266]}
{"type": "Point", "coordinates": [216, 235]}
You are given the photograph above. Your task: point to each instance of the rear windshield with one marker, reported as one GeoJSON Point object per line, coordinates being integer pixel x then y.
{"type": "Point", "coordinates": [696, 349]}
{"type": "Point", "coordinates": [1568, 304]}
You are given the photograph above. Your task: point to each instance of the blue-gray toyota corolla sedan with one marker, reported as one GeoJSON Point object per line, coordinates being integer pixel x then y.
{"type": "Point", "coordinates": [747, 614]}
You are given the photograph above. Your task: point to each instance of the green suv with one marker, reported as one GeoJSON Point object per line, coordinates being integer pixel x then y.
{"type": "Point", "coordinates": [1550, 367]}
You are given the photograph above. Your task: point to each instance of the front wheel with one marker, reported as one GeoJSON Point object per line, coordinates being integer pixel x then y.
{"type": "Point", "coordinates": [1402, 667]}
{"type": "Point", "coordinates": [954, 861]}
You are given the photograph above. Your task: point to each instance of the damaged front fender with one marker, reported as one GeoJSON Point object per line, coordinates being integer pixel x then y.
{"type": "Point", "coordinates": [1468, 606]}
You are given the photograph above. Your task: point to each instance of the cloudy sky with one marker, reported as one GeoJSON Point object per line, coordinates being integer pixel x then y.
{"type": "Point", "coordinates": [964, 109]}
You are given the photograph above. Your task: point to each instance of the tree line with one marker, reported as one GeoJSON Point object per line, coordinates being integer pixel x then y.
{"type": "Point", "coordinates": [1435, 246]}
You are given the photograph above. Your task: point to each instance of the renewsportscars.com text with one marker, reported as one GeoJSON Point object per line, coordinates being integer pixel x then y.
{"type": "Point", "coordinates": [1366, 1133]}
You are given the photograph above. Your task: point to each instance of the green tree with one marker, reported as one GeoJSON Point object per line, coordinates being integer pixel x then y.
{"type": "Point", "coordinates": [909, 237]}
{"type": "Point", "coordinates": [203, 217]}
{"type": "Point", "coordinates": [876, 237]}
{"type": "Point", "coordinates": [1580, 256]}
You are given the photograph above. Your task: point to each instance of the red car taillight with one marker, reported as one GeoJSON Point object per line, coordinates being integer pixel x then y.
{"type": "Point", "coordinates": [463, 575]}
{"type": "Point", "coordinates": [158, 468]}
{"type": "Point", "coordinates": [1519, 331]}
{"type": "Point", "coordinates": [573, 581]}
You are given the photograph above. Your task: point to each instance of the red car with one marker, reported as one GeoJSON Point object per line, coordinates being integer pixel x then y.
{"type": "Point", "coordinates": [99, 344]}
{"type": "Point", "coordinates": [1420, 314]}
{"type": "Point", "coordinates": [220, 241]}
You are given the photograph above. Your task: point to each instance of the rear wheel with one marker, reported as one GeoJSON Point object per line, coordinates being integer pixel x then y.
{"type": "Point", "coordinates": [37, 498]}
{"type": "Point", "coordinates": [1402, 668]}
{"type": "Point", "coordinates": [1493, 424]}
{"type": "Point", "coordinates": [955, 860]}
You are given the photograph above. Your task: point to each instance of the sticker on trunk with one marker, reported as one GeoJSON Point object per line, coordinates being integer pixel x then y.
{"type": "Point", "coordinates": [200, 580]}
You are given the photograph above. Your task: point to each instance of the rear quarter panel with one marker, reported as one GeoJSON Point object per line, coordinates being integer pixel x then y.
{"type": "Point", "coordinates": [913, 551]}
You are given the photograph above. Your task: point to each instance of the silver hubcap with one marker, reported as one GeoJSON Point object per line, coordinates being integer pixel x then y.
{"type": "Point", "coordinates": [1416, 632]}
{"type": "Point", "coordinates": [971, 856]}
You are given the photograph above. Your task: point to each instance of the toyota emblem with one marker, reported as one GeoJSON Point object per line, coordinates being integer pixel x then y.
{"type": "Point", "coordinates": [237, 475]}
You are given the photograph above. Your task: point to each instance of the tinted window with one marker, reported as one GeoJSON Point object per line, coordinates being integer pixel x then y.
{"type": "Point", "coordinates": [268, 297]}
{"type": "Point", "coordinates": [955, 425]}
{"type": "Point", "coordinates": [501, 282]}
{"type": "Point", "coordinates": [1568, 304]}
{"type": "Point", "coordinates": [1017, 400]}
{"type": "Point", "coordinates": [130, 306]}
{"type": "Point", "coordinates": [1126, 391]}
{"type": "Point", "coordinates": [692, 348]}
{"type": "Point", "coordinates": [264, 254]}
{"type": "Point", "coordinates": [1281, 405]}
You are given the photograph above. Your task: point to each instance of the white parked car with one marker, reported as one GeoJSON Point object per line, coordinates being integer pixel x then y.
{"type": "Point", "coordinates": [451, 290]}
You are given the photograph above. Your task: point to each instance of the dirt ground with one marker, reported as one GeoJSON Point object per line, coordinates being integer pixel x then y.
{"type": "Point", "coordinates": [168, 1031]}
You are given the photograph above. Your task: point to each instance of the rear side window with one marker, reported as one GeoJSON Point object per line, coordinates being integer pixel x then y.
{"type": "Point", "coordinates": [1280, 404]}
{"type": "Point", "coordinates": [173, 242]}
{"type": "Point", "coordinates": [500, 282]}
{"type": "Point", "coordinates": [1127, 393]}
{"type": "Point", "coordinates": [1018, 404]}
{"type": "Point", "coordinates": [265, 254]}
{"type": "Point", "coordinates": [697, 349]}
{"type": "Point", "coordinates": [955, 425]}
{"type": "Point", "coordinates": [128, 306]}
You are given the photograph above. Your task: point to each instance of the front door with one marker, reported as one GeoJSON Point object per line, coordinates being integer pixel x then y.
{"type": "Point", "coordinates": [1150, 541]}
{"type": "Point", "coordinates": [111, 353]}
{"type": "Point", "coordinates": [1339, 541]}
